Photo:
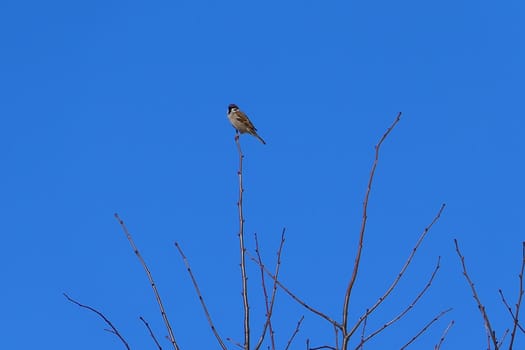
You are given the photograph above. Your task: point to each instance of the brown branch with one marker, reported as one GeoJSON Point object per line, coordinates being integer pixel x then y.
{"type": "Point", "coordinates": [399, 275]}
{"type": "Point", "coordinates": [520, 296]}
{"type": "Point", "coordinates": [363, 333]}
{"type": "Point", "coordinates": [113, 329]}
{"type": "Point", "coordinates": [246, 305]}
{"type": "Point", "coordinates": [424, 329]}
{"type": "Point", "coordinates": [171, 336]}
{"type": "Point", "coordinates": [269, 302]}
{"type": "Point", "coordinates": [151, 332]}
{"type": "Point", "coordinates": [296, 298]}
{"type": "Point", "coordinates": [236, 343]}
{"type": "Point", "coordinates": [201, 299]}
{"type": "Point", "coordinates": [362, 231]}
{"type": "Point", "coordinates": [514, 319]}
{"type": "Point", "coordinates": [406, 310]}
{"type": "Point", "coordinates": [336, 330]}
{"type": "Point", "coordinates": [481, 307]}
{"type": "Point", "coordinates": [294, 333]}
{"type": "Point", "coordinates": [443, 336]}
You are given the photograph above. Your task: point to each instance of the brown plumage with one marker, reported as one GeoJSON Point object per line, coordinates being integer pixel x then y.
{"type": "Point", "coordinates": [241, 122]}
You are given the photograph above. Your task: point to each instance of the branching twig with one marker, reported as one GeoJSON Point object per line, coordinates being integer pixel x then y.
{"type": "Point", "coordinates": [269, 302]}
{"type": "Point", "coordinates": [246, 305]}
{"type": "Point", "coordinates": [406, 310]}
{"type": "Point", "coordinates": [294, 333]}
{"type": "Point", "coordinates": [481, 307]}
{"type": "Point", "coordinates": [171, 336]}
{"type": "Point", "coordinates": [150, 332]}
{"type": "Point", "coordinates": [296, 298]}
{"type": "Point", "coordinates": [362, 233]}
{"type": "Point", "coordinates": [113, 329]}
{"type": "Point", "coordinates": [443, 336]}
{"type": "Point", "coordinates": [201, 299]}
{"type": "Point", "coordinates": [423, 330]}
{"type": "Point", "coordinates": [399, 275]}
{"type": "Point", "coordinates": [518, 303]}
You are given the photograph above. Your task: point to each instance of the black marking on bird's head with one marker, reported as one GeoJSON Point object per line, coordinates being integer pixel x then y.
{"type": "Point", "coordinates": [232, 106]}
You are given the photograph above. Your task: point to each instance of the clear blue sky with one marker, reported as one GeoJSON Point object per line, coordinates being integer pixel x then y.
{"type": "Point", "coordinates": [120, 106]}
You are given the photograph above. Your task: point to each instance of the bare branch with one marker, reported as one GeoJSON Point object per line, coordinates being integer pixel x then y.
{"type": "Point", "coordinates": [294, 333]}
{"type": "Point", "coordinates": [246, 304]}
{"type": "Point", "coordinates": [400, 274]}
{"type": "Point", "coordinates": [296, 298]}
{"type": "Point", "coordinates": [151, 332]}
{"type": "Point", "coordinates": [424, 329]}
{"type": "Point", "coordinates": [443, 336]}
{"type": "Point", "coordinates": [201, 299]}
{"type": "Point", "coordinates": [171, 336]}
{"type": "Point", "coordinates": [362, 231]}
{"type": "Point", "coordinates": [481, 307]}
{"type": "Point", "coordinates": [518, 303]}
{"type": "Point", "coordinates": [406, 310]}
{"type": "Point", "coordinates": [236, 343]}
{"type": "Point", "coordinates": [269, 302]}
{"type": "Point", "coordinates": [113, 329]}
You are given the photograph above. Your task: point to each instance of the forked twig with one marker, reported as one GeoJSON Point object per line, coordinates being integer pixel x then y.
{"type": "Point", "coordinates": [399, 275]}
{"type": "Point", "coordinates": [443, 336]}
{"type": "Point", "coordinates": [490, 332]}
{"type": "Point", "coordinates": [294, 333]}
{"type": "Point", "coordinates": [362, 233]}
{"type": "Point", "coordinates": [296, 298]}
{"type": "Point", "coordinates": [150, 332]}
{"type": "Point", "coordinates": [424, 329]}
{"type": "Point", "coordinates": [269, 302]}
{"type": "Point", "coordinates": [171, 336]}
{"type": "Point", "coordinates": [113, 329]}
{"type": "Point", "coordinates": [201, 299]}
{"type": "Point", "coordinates": [406, 310]}
{"type": "Point", "coordinates": [244, 277]}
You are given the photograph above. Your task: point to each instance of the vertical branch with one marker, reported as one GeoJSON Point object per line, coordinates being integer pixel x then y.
{"type": "Point", "coordinates": [171, 336]}
{"type": "Point", "coordinates": [362, 232]}
{"type": "Point", "coordinates": [490, 332]}
{"type": "Point", "coordinates": [199, 294]}
{"type": "Point", "coordinates": [243, 252]}
{"type": "Point", "coordinates": [520, 296]}
{"type": "Point", "coordinates": [269, 302]}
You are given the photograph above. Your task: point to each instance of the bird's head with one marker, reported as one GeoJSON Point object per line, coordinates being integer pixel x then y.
{"type": "Point", "coordinates": [232, 107]}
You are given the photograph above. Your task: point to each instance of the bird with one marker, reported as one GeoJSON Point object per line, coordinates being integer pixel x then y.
{"type": "Point", "coordinates": [241, 123]}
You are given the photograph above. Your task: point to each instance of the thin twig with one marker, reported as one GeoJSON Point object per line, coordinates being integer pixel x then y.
{"type": "Point", "coordinates": [269, 302]}
{"type": "Point", "coordinates": [236, 343]}
{"type": "Point", "coordinates": [407, 309]}
{"type": "Point", "coordinates": [362, 233]}
{"type": "Point", "coordinates": [113, 329]}
{"type": "Point", "coordinates": [443, 336]}
{"type": "Point", "coordinates": [151, 332]}
{"type": "Point", "coordinates": [294, 333]}
{"type": "Point", "coordinates": [424, 329]}
{"type": "Point", "coordinates": [514, 319]}
{"type": "Point", "coordinates": [171, 336]}
{"type": "Point", "coordinates": [400, 274]}
{"type": "Point", "coordinates": [481, 307]}
{"type": "Point", "coordinates": [246, 305]}
{"type": "Point", "coordinates": [518, 303]}
{"type": "Point", "coordinates": [500, 343]}
{"type": "Point", "coordinates": [323, 347]}
{"type": "Point", "coordinates": [201, 299]}
{"type": "Point", "coordinates": [336, 330]}
{"type": "Point", "coordinates": [296, 298]}
{"type": "Point", "coordinates": [363, 332]}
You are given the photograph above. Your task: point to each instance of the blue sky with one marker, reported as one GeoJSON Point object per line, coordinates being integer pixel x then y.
{"type": "Point", "coordinates": [120, 106]}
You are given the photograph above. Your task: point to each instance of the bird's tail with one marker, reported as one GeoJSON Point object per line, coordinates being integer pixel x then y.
{"type": "Point", "coordinates": [260, 139]}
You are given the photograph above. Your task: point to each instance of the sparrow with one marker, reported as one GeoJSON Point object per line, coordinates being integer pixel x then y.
{"type": "Point", "coordinates": [241, 123]}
